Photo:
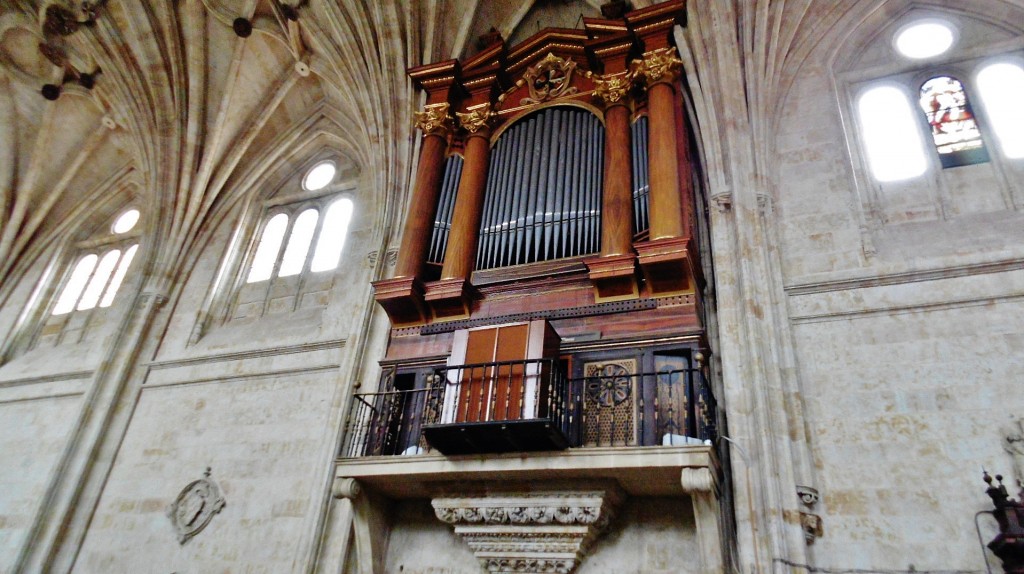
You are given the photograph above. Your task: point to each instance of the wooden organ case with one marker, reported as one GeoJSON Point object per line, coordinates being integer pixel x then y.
{"type": "Point", "coordinates": [554, 201]}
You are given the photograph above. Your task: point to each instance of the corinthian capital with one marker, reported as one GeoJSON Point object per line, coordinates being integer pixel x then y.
{"type": "Point", "coordinates": [434, 119]}
{"type": "Point", "coordinates": [476, 117]}
{"type": "Point", "coordinates": [657, 66]}
{"type": "Point", "coordinates": [613, 88]}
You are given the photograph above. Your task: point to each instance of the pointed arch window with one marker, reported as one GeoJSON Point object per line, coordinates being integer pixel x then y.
{"type": "Point", "coordinates": [954, 129]}
{"type": "Point", "coordinates": [1001, 87]}
{"type": "Point", "coordinates": [298, 241]}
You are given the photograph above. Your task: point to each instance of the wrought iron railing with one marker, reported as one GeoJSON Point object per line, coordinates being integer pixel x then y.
{"type": "Point", "coordinates": [670, 407]}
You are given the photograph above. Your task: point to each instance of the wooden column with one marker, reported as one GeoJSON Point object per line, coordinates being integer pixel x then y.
{"type": "Point", "coordinates": [614, 272]}
{"type": "Point", "coordinates": [450, 298]}
{"type": "Point", "coordinates": [419, 226]}
{"type": "Point", "coordinates": [401, 297]}
{"type": "Point", "coordinates": [666, 206]}
{"type": "Point", "coordinates": [460, 254]}
{"type": "Point", "coordinates": [617, 204]}
{"type": "Point", "coordinates": [668, 259]}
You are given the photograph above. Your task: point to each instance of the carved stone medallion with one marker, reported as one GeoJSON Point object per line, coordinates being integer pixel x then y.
{"type": "Point", "coordinates": [195, 507]}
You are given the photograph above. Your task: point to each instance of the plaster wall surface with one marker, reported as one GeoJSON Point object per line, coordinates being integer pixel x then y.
{"type": "Point", "coordinates": [35, 431]}
{"type": "Point", "coordinates": [904, 302]}
{"type": "Point", "coordinates": [262, 437]}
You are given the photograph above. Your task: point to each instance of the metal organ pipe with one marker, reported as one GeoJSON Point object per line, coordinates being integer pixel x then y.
{"type": "Point", "coordinates": [445, 206]}
{"type": "Point", "coordinates": [543, 194]}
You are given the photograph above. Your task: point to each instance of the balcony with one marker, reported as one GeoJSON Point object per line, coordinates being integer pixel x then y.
{"type": "Point", "coordinates": [531, 405]}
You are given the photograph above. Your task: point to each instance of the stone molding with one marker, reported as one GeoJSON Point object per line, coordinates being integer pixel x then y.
{"type": "Point", "coordinates": [522, 532]}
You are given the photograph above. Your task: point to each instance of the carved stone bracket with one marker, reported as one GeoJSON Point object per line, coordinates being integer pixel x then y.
{"type": "Point", "coordinates": [434, 119]}
{"type": "Point", "coordinates": [658, 66]}
{"type": "Point", "coordinates": [808, 495]}
{"type": "Point", "coordinates": [195, 507]}
{"type": "Point", "coordinates": [722, 201]}
{"type": "Point", "coordinates": [530, 531]}
{"type": "Point", "coordinates": [698, 479]}
{"type": "Point", "coordinates": [346, 488]}
{"type": "Point", "coordinates": [476, 118]}
{"type": "Point", "coordinates": [613, 88]}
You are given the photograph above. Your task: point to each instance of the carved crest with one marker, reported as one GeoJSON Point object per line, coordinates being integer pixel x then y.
{"type": "Point", "coordinates": [549, 79]}
{"type": "Point", "coordinates": [195, 507]}
{"type": "Point", "coordinates": [476, 118]}
{"type": "Point", "coordinates": [434, 119]}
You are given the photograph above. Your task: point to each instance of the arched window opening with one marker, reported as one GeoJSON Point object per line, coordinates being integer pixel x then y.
{"type": "Point", "coordinates": [270, 244]}
{"type": "Point", "coordinates": [99, 280]}
{"type": "Point", "coordinates": [954, 129]}
{"type": "Point", "coordinates": [891, 137]}
{"type": "Point", "coordinates": [115, 282]}
{"type": "Point", "coordinates": [332, 236]}
{"type": "Point", "coordinates": [543, 195]}
{"type": "Point", "coordinates": [298, 243]}
{"type": "Point", "coordinates": [1002, 92]}
{"type": "Point", "coordinates": [76, 283]}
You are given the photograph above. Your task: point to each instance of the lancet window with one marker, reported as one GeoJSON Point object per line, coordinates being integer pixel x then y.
{"type": "Point", "coordinates": [954, 130]}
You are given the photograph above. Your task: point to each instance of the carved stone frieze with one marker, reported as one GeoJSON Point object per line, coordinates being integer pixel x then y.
{"type": "Point", "coordinates": [550, 78]}
{"type": "Point", "coordinates": [657, 66]}
{"type": "Point", "coordinates": [434, 119]}
{"type": "Point", "coordinates": [476, 118]}
{"type": "Point", "coordinates": [530, 531]}
{"type": "Point", "coordinates": [195, 506]}
{"type": "Point", "coordinates": [613, 88]}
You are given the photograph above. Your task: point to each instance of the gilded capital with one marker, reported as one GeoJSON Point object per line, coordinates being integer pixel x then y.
{"type": "Point", "coordinates": [476, 118]}
{"type": "Point", "coordinates": [613, 88]}
{"type": "Point", "coordinates": [660, 65]}
{"type": "Point", "coordinates": [434, 119]}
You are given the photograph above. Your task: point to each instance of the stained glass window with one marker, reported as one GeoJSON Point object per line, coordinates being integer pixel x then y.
{"type": "Point", "coordinates": [954, 129]}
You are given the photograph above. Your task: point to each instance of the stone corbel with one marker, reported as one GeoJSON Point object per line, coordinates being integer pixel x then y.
{"type": "Point", "coordinates": [346, 488]}
{"type": "Point", "coordinates": [722, 201]}
{"type": "Point", "coordinates": [702, 487]}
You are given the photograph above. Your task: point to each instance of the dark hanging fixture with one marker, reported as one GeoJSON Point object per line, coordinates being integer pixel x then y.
{"type": "Point", "coordinates": [51, 91]}
{"type": "Point", "coordinates": [242, 27]}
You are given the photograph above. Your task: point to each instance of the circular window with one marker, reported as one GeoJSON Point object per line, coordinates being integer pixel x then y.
{"type": "Point", "coordinates": [126, 221]}
{"type": "Point", "coordinates": [924, 39]}
{"type": "Point", "coordinates": [318, 177]}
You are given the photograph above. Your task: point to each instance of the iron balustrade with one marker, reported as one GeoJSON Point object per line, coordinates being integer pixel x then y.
{"type": "Point", "coordinates": [492, 400]}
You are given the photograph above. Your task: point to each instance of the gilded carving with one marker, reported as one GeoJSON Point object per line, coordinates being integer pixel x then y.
{"type": "Point", "coordinates": [476, 118]}
{"type": "Point", "coordinates": [550, 78]}
{"type": "Point", "coordinates": [660, 65]}
{"type": "Point", "coordinates": [613, 88]}
{"type": "Point", "coordinates": [434, 119]}
{"type": "Point", "coordinates": [195, 507]}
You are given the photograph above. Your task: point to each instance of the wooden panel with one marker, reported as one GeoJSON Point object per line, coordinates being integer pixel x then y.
{"type": "Point", "coordinates": [473, 396]}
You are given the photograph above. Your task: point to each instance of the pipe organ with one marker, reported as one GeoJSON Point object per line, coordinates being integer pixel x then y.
{"type": "Point", "coordinates": [554, 188]}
